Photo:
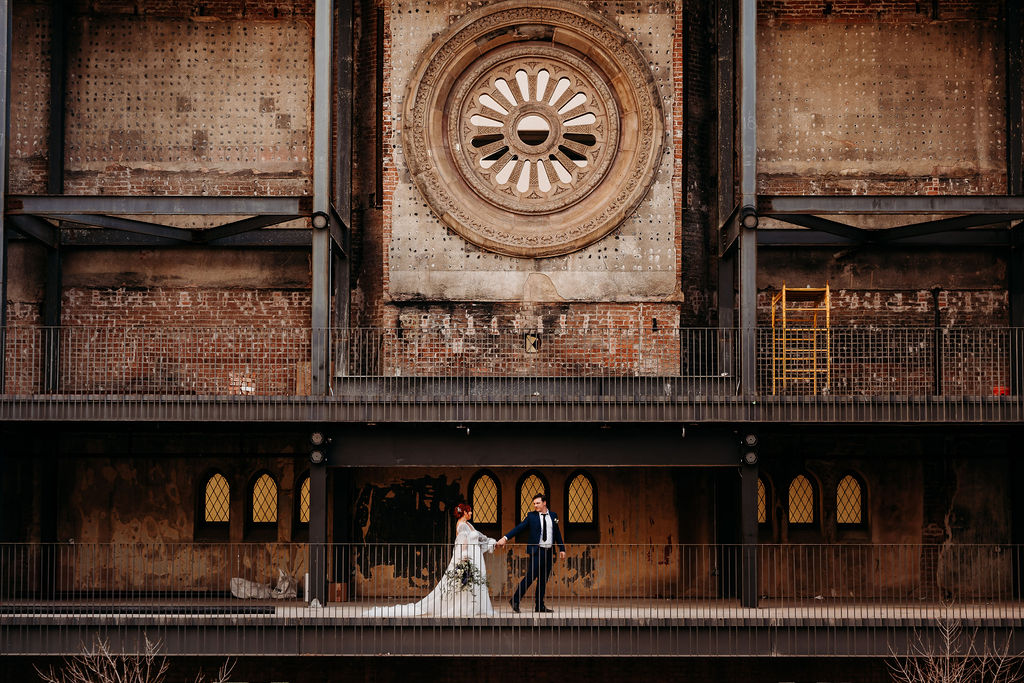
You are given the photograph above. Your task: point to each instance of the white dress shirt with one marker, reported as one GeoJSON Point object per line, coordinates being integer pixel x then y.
{"type": "Point", "coordinates": [548, 532]}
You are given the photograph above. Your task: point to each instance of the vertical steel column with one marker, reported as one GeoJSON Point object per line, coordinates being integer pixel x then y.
{"type": "Point", "coordinates": [748, 531]}
{"type": "Point", "coordinates": [1014, 104]}
{"type": "Point", "coordinates": [321, 266]}
{"type": "Point", "coordinates": [5, 135]}
{"type": "Point", "coordinates": [323, 42]}
{"type": "Point", "coordinates": [748, 195]}
{"type": "Point", "coordinates": [318, 533]}
{"type": "Point", "coordinates": [1015, 183]}
{"type": "Point", "coordinates": [725, 21]}
{"type": "Point", "coordinates": [342, 192]}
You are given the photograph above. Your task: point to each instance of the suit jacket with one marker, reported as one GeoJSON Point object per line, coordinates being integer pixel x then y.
{"type": "Point", "coordinates": [532, 522]}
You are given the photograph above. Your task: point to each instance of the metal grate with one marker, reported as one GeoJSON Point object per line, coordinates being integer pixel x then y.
{"type": "Point", "coordinates": [484, 500]}
{"type": "Point", "coordinates": [216, 505]}
{"type": "Point", "coordinates": [264, 500]}
{"type": "Point", "coordinates": [801, 501]}
{"type": "Point", "coordinates": [530, 487]}
{"type": "Point", "coordinates": [762, 503]}
{"type": "Point", "coordinates": [849, 503]}
{"type": "Point", "coordinates": [581, 500]}
{"type": "Point", "coordinates": [304, 501]}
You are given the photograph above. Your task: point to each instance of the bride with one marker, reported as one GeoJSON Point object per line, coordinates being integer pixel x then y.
{"type": "Point", "coordinates": [462, 590]}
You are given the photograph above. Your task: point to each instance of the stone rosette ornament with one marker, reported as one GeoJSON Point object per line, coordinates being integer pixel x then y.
{"type": "Point", "coordinates": [533, 130]}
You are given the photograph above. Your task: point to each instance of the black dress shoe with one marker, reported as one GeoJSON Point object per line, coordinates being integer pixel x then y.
{"type": "Point", "coordinates": [515, 606]}
{"type": "Point", "coordinates": [544, 609]}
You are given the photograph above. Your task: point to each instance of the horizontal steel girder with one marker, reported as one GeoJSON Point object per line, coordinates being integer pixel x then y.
{"type": "Point", "coordinates": [896, 204]}
{"type": "Point", "coordinates": [43, 205]}
{"type": "Point", "coordinates": [519, 636]}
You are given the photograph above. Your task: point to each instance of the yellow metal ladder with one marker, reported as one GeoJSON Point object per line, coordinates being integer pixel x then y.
{"type": "Point", "coordinates": [801, 340]}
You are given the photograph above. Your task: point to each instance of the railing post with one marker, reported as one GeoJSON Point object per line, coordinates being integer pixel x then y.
{"type": "Point", "coordinates": [748, 532]}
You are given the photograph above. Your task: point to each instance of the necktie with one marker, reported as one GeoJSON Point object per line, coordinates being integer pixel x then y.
{"type": "Point", "coordinates": [544, 527]}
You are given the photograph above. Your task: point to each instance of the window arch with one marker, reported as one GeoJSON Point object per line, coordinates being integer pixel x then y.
{"type": "Point", "coordinates": [485, 497]}
{"type": "Point", "coordinates": [301, 513]}
{"type": "Point", "coordinates": [850, 502]}
{"type": "Point", "coordinates": [262, 507]}
{"type": "Point", "coordinates": [764, 498]}
{"type": "Point", "coordinates": [530, 484]}
{"type": "Point", "coordinates": [213, 507]}
{"type": "Point", "coordinates": [801, 505]}
{"type": "Point", "coordinates": [581, 520]}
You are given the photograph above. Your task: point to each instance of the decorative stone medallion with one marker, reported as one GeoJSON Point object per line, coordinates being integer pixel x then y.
{"type": "Point", "coordinates": [533, 130]}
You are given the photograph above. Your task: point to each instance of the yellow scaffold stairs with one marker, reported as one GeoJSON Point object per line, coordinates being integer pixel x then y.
{"type": "Point", "coordinates": [801, 359]}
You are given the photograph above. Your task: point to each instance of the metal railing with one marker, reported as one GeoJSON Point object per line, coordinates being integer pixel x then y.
{"type": "Point", "coordinates": [589, 374]}
{"type": "Point", "coordinates": [606, 599]}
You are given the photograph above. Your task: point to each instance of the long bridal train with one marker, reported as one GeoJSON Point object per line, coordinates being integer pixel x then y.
{"type": "Point", "coordinates": [453, 598]}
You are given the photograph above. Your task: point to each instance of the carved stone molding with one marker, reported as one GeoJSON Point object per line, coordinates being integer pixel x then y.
{"type": "Point", "coordinates": [533, 130]}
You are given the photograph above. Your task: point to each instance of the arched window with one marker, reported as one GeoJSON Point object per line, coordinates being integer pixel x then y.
{"type": "Point", "coordinates": [763, 500]}
{"type": "Point", "coordinates": [303, 511]}
{"type": "Point", "coordinates": [217, 500]}
{"type": "Point", "coordinates": [301, 514]}
{"type": "Point", "coordinates": [530, 484]}
{"type": "Point", "coordinates": [581, 521]}
{"type": "Point", "coordinates": [213, 509]}
{"type": "Point", "coordinates": [801, 505]}
{"type": "Point", "coordinates": [485, 497]}
{"type": "Point", "coordinates": [261, 520]}
{"type": "Point", "coordinates": [850, 502]}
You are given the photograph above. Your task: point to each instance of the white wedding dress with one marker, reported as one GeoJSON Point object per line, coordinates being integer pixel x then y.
{"type": "Point", "coordinates": [446, 600]}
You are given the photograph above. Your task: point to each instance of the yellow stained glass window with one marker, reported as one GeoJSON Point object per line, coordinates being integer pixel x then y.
{"type": "Point", "coordinates": [531, 486]}
{"type": "Point", "coordinates": [581, 500]}
{"type": "Point", "coordinates": [264, 500]}
{"type": "Point", "coordinates": [484, 499]}
{"type": "Point", "coordinates": [849, 503]}
{"type": "Point", "coordinates": [304, 502]}
{"type": "Point", "coordinates": [217, 499]}
{"type": "Point", "coordinates": [801, 501]}
{"type": "Point", "coordinates": [762, 503]}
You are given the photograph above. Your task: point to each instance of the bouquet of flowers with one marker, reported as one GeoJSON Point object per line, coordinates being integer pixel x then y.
{"type": "Point", "coordinates": [463, 576]}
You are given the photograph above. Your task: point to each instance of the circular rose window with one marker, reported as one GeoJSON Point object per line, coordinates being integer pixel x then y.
{"type": "Point", "coordinates": [533, 130]}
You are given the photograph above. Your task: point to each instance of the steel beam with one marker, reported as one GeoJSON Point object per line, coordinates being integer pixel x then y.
{"type": "Point", "coordinates": [825, 225]}
{"type": "Point", "coordinates": [59, 18]}
{"type": "Point", "coordinates": [103, 237]}
{"type": "Point", "coordinates": [323, 42]}
{"type": "Point", "coordinates": [1014, 106]}
{"type": "Point", "coordinates": [48, 205]}
{"type": "Point", "coordinates": [895, 204]}
{"type": "Point", "coordinates": [504, 446]}
{"type": "Point", "coordinates": [861, 235]}
{"type": "Point", "coordinates": [238, 227]}
{"type": "Point", "coordinates": [782, 237]}
{"type": "Point", "coordinates": [128, 225]}
{"type": "Point", "coordinates": [38, 229]}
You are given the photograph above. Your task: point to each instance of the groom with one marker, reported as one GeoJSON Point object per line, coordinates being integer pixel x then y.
{"type": "Point", "coordinates": [543, 526]}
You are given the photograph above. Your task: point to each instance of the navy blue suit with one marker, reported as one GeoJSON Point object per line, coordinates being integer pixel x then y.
{"type": "Point", "coordinates": [540, 558]}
